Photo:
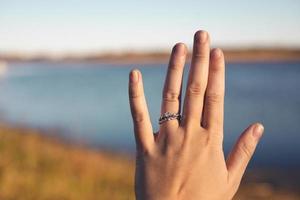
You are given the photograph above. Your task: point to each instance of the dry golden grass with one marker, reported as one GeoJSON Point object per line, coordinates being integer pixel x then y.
{"type": "Point", "coordinates": [32, 167]}
{"type": "Point", "coordinates": [35, 167]}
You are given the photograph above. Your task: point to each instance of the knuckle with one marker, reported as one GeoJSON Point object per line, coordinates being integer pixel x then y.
{"type": "Point", "coordinates": [138, 117]}
{"type": "Point", "coordinates": [195, 89]}
{"type": "Point", "coordinates": [245, 149]}
{"type": "Point", "coordinates": [143, 154]}
{"type": "Point", "coordinates": [200, 55]}
{"type": "Point", "coordinates": [214, 98]}
{"type": "Point", "coordinates": [216, 68]}
{"type": "Point", "coordinates": [216, 137]}
{"type": "Point", "coordinates": [133, 94]}
{"type": "Point", "coordinates": [170, 96]}
{"type": "Point", "coordinates": [174, 66]}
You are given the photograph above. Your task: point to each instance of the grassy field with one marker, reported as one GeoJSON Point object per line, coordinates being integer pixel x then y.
{"type": "Point", "coordinates": [35, 167]}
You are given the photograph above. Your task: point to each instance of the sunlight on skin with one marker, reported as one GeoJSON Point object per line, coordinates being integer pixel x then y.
{"type": "Point", "coordinates": [186, 160]}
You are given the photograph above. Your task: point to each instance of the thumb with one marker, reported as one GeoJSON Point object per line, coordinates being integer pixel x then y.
{"type": "Point", "coordinates": [242, 151]}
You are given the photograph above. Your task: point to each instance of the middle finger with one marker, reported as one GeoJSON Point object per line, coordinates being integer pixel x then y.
{"type": "Point", "coordinates": [197, 81]}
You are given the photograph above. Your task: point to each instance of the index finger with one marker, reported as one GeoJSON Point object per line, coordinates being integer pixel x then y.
{"type": "Point", "coordinates": [139, 111]}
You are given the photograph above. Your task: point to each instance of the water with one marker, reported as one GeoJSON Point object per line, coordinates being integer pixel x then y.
{"type": "Point", "coordinates": [89, 103]}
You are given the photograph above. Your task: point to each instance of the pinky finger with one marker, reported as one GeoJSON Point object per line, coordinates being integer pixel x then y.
{"type": "Point", "coordinates": [139, 111]}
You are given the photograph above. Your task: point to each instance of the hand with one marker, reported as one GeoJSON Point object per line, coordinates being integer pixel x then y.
{"type": "Point", "coordinates": [185, 159]}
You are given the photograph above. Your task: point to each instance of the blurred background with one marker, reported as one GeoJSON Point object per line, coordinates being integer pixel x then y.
{"type": "Point", "coordinates": [65, 125]}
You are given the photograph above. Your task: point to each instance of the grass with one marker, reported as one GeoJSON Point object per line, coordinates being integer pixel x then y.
{"type": "Point", "coordinates": [32, 167]}
{"type": "Point", "coordinates": [36, 167]}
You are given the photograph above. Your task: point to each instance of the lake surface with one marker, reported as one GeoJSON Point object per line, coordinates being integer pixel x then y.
{"type": "Point", "coordinates": [89, 103]}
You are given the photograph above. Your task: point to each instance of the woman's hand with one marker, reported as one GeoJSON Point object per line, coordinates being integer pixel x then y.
{"type": "Point", "coordinates": [185, 159]}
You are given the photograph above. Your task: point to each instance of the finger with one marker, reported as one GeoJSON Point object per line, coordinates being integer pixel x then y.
{"type": "Point", "coordinates": [197, 80]}
{"type": "Point", "coordinates": [139, 111]}
{"type": "Point", "coordinates": [214, 95]}
{"type": "Point", "coordinates": [173, 82]}
{"type": "Point", "coordinates": [242, 152]}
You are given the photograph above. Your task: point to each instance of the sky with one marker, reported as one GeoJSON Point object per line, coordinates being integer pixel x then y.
{"type": "Point", "coordinates": [85, 26]}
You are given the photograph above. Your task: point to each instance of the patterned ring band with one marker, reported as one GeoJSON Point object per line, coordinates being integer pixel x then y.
{"type": "Point", "coordinates": [167, 116]}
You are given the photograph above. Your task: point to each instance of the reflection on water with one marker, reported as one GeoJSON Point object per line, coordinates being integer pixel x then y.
{"type": "Point", "coordinates": [89, 103]}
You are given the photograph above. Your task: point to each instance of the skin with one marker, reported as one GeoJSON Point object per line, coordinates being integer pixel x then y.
{"type": "Point", "coordinates": [185, 159]}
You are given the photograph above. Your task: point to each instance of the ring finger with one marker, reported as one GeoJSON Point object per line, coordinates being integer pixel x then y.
{"type": "Point", "coordinates": [172, 89]}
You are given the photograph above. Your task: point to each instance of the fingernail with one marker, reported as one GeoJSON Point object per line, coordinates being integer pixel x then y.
{"type": "Point", "coordinates": [201, 36]}
{"type": "Point", "coordinates": [134, 76]}
{"type": "Point", "coordinates": [216, 53]}
{"type": "Point", "coordinates": [179, 49]}
{"type": "Point", "coordinates": [258, 131]}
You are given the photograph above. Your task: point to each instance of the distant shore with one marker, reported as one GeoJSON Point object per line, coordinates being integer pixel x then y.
{"type": "Point", "coordinates": [232, 55]}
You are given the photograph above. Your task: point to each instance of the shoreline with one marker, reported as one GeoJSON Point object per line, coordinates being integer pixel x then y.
{"type": "Point", "coordinates": [231, 55]}
{"type": "Point", "coordinates": [59, 136]}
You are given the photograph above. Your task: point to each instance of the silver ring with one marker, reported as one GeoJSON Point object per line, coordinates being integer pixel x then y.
{"type": "Point", "coordinates": [167, 116]}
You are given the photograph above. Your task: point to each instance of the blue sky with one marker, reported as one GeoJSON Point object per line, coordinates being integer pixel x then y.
{"type": "Point", "coordinates": [62, 26]}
